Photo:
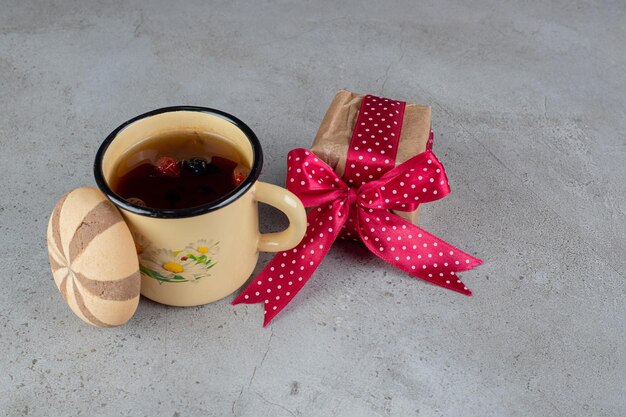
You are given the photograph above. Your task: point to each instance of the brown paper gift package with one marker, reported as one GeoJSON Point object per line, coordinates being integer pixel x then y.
{"type": "Point", "coordinates": [333, 137]}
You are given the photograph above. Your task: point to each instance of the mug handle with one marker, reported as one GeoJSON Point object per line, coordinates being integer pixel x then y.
{"type": "Point", "coordinates": [289, 204]}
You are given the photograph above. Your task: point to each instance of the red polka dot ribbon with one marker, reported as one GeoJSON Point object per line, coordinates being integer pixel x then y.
{"type": "Point", "coordinates": [360, 205]}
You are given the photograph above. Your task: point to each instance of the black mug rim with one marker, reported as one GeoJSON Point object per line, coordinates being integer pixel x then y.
{"type": "Point", "coordinates": [221, 202]}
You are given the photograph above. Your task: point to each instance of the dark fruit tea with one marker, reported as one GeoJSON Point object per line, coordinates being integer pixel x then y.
{"type": "Point", "coordinates": [179, 170]}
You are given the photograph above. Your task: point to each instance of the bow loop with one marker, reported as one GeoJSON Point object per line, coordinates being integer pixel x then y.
{"type": "Point", "coordinates": [421, 179]}
{"type": "Point", "coordinates": [312, 180]}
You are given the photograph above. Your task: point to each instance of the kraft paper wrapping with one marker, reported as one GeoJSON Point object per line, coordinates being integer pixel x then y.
{"type": "Point", "coordinates": [333, 137]}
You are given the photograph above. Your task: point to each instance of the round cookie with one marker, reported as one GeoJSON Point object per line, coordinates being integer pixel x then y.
{"type": "Point", "coordinates": [93, 258]}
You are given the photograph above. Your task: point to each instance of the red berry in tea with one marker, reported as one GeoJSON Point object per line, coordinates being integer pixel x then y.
{"type": "Point", "coordinates": [239, 174]}
{"type": "Point", "coordinates": [168, 166]}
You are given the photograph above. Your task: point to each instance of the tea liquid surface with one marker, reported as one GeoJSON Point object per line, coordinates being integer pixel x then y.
{"type": "Point", "coordinates": [179, 170]}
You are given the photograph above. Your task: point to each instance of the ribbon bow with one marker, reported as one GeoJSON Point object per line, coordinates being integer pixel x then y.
{"type": "Point", "coordinates": [361, 206]}
{"type": "Point", "coordinates": [419, 180]}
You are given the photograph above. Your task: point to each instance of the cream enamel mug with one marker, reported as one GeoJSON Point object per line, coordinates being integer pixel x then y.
{"type": "Point", "coordinates": [201, 254]}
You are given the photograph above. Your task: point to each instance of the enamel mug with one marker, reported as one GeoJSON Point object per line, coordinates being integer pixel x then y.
{"type": "Point", "coordinates": [197, 255]}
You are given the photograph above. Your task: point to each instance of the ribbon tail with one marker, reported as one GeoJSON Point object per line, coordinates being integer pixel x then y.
{"type": "Point", "coordinates": [415, 251]}
{"type": "Point", "coordinates": [285, 275]}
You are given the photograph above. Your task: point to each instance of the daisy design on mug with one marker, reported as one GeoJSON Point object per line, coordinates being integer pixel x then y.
{"type": "Point", "coordinates": [187, 265]}
{"type": "Point", "coordinates": [202, 249]}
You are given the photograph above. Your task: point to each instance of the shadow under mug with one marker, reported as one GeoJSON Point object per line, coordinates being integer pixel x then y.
{"type": "Point", "coordinates": [201, 254]}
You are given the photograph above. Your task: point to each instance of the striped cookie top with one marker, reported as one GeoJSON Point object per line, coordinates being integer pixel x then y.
{"type": "Point", "coordinates": [93, 258]}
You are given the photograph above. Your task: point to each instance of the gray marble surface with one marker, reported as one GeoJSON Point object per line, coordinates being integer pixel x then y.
{"type": "Point", "coordinates": [529, 112]}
